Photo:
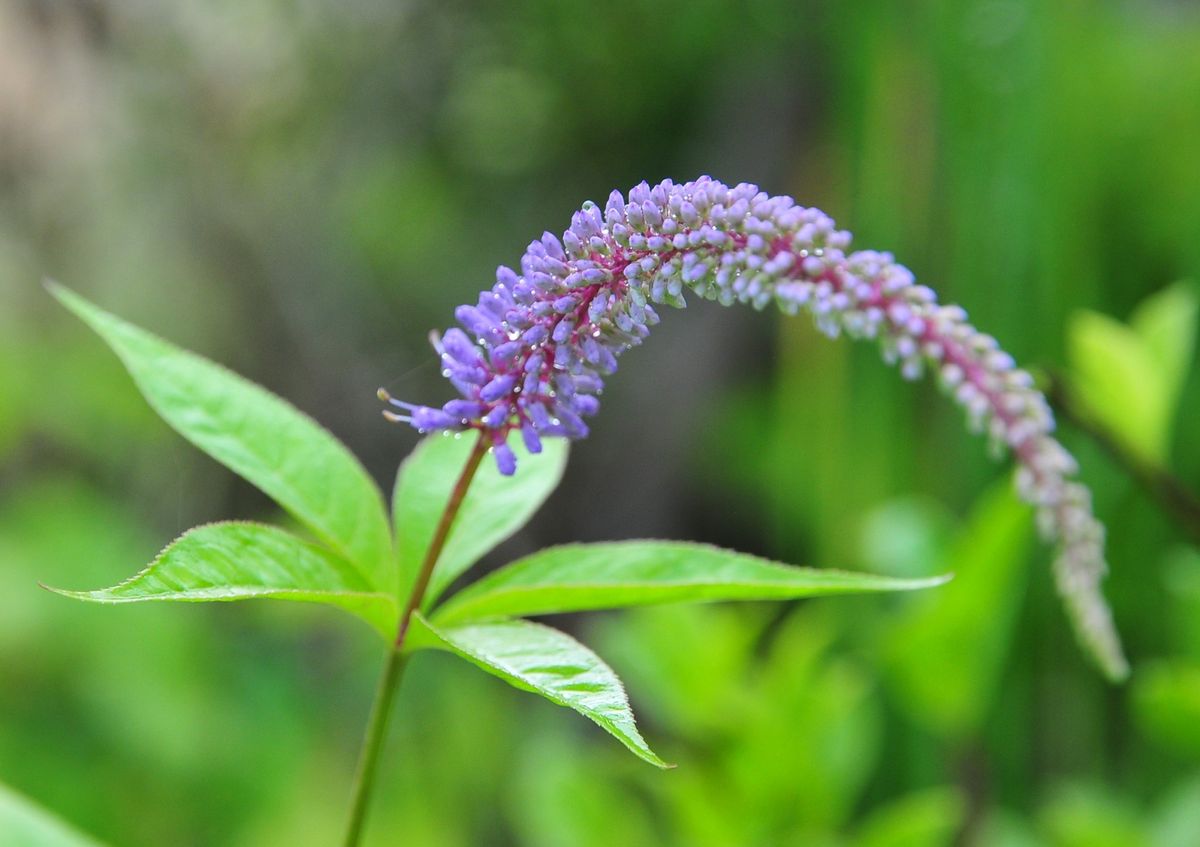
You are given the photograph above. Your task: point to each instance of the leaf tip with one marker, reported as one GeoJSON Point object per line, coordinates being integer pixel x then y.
{"type": "Point", "coordinates": [935, 581]}
{"type": "Point", "coordinates": [65, 296]}
{"type": "Point", "coordinates": [1118, 674]}
{"type": "Point", "coordinates": [66, 592]}
{"type": "Point", "coordinates": [648, 756]}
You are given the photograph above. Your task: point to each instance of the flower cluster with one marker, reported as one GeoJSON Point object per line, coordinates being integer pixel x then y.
{"type": "Point", "coordinates": [538, 344]}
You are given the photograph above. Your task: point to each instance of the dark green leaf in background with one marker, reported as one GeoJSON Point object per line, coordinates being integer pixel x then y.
{"type": "Point", "coordinates": [929, 818]}
{"type": "Point", "coordinates": [946, 654]}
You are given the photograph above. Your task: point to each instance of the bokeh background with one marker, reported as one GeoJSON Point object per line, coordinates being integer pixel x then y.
{"type": "Point", "coordinates": [302, 190]}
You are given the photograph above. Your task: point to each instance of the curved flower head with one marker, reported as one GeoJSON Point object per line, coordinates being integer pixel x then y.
{"type": "Point", "coordinates": [532, 354]}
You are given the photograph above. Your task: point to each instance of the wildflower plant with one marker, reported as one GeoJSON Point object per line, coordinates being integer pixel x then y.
{"type": "Point", "coordinates": [531, 357]}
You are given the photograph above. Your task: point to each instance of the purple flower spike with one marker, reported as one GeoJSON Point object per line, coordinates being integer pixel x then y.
{"type": "Point", "coordinates": [545, 339]}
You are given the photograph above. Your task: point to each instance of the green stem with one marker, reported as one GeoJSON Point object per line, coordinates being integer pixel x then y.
{"type": "Point", "coordinates": [372, 744]}
{"type": "Point", "coordinates": [393, 670]}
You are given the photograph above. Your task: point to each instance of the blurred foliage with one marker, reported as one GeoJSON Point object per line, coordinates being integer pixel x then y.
{"type": "Point", "coordinates": [302, 190]}
{"type": "Point", "coordinates": [1130, 376]}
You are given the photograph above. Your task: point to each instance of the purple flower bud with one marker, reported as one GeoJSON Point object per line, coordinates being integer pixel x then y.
{"type": "Point", "coordinates": [552, 246]}
{"type": "Point", "coordinates": [470, 375]}
{"type": "Point", "coordinates": [588, 383]}
{"type": "Point", "coordinates": [614, 210]}
{"type": "Point", "coordinates": [492, 304]}
{"type": "Point", "coordinates": [456, 344]}
{"type": "Point", "coordinates": [503, 352]}
{"type": "Point", "coordinates": [427, 419]}
{"type": "Point", "coordinates": [505, 460]}
{"type": "Point", "coordinates": [532, 443]}
{"type": "Point", "coordinates": [497, 417]}
{"type": "Point", "coordinates": [640, 193]}
{"type": "Point", "coordinates": [572, 423]}
{"type": "Point", "coordinates": [465, 409]}
{"type": "Point", "coordinates": [474, 321]}
{"type": "Point", "coordinates": [506, 276]}
{"type": "Point", "coordinates": [572, 243]}
{"type": "Point", "coordinates": [597, 307]}
{"type": "Point", "coordinates": [499, 386]}
{"type": "Point", "coordinates": [562, 332]}
{"type": "Point", "coordinates": [586, 404]}
{"type": "Point", "coordinates": [539, 416]}
{"type": "Point", "coordinates": [535, 335]}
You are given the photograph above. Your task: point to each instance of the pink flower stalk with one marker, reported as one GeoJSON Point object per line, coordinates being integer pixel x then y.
{"type": "Point", "coordinates": [538, 344]}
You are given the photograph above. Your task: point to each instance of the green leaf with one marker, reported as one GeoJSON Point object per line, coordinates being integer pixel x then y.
{"type": "Point", "coordinates": [576, 577]}
{"type": "Point", "coordinates": [1119, 382]}
{"type": "Point", "coordinates": [1166, 324]}
{"type": "Point", "coordinates": [1131, 377]}
{"type": "Point", "coordinates": [1092, 815]}
{"type": "Point", "coordinates": [243, 561]}
{"type": "Point", "coordinates": [25, 824]}
{"type": "Point", "coordinates": [495, 507]}
{"type": "Point", "coordinates": [536, 658]}
{"type": "Point", "coordinates": [257, 435]}
{"type": "Point", "coordinates": [1166, 699]}
{"type": "Point", "coordinates": [930, 817]}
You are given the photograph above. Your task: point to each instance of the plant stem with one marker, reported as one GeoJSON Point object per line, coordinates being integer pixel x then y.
{"type": "Point", "coordinates": [439, 537]}
{"type": "Point", "coordinates": [372, 744]}
{"type": "Point", "coordinates": [393, 670]}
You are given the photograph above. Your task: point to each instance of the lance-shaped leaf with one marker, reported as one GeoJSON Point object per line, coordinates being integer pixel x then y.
{"type": "Point", "coordinates": [243, 561]}
{"type": "Point", "coordinates": [537, 658]}
{"type": "Point", "coordinates": [577, 577]}
{"type": "Point", "coordinates": [257, 435]}
{"type": "Point", "coordinates": [495, 507]}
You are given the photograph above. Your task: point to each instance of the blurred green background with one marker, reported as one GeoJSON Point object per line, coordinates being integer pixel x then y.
{"type": "Point", "coordinates": [303, 189]}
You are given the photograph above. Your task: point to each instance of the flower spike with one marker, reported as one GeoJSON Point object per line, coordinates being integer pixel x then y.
{"type": "Point", "coordinates": [539, 343]}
